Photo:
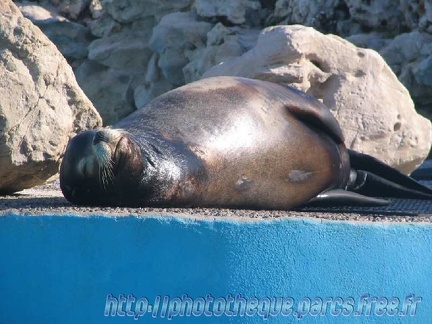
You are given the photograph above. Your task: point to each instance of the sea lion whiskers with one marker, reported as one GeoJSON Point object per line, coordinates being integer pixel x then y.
{"type": "Point", "coordinates": [103, 154]}
{"type": "Point", "coordinates": [106, 175]}
{"type": "Point", "coordinates": [105, 145]}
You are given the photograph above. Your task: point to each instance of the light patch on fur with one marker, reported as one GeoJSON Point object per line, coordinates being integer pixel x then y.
{"type": "Point", "coordinates": [85, 167]}
{"type": "Point", "coordinates": [235, 138]}
{"type": "Point", "coordinates": [243, 183]}
{"type": "Point", "coordinates": [299, 175]}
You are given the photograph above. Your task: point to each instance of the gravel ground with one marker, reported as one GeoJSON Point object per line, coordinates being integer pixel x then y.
{"type": "Point", "coordinates": [48, 200]}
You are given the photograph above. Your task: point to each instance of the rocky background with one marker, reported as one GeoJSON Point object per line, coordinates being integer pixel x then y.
{"type": "Point", "coordinates": [126, 52]}
{"type": "Point", "coordinates": [136, 50]}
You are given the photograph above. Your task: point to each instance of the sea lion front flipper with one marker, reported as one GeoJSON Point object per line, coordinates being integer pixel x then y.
{"type": "Point", "coordinates": [340, 197]}
{"type": "Point", "coordinates": [312, 111]}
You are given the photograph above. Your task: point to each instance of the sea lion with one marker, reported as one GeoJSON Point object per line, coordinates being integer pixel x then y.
{"type": "Point", "coordinates": [226, 142]}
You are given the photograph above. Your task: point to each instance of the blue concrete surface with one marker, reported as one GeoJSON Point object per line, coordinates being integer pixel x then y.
{"type": "Point", "coordinates": [76, 269]}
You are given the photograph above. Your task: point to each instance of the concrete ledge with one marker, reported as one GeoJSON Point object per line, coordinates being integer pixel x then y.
{"type": "Point", "coordinates": [60, 269]}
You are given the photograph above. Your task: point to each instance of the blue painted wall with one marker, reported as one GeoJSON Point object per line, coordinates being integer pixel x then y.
{"type": "Point", "coordinates": [67, 269]}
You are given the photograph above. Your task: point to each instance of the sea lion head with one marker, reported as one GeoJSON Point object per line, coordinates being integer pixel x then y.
{"type": "Point", "coordinates": [97, 164]}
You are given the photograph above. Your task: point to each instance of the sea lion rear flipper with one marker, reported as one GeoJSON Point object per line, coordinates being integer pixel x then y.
{"type": "Point", "coordinates": [339, 197]}
{"type": "Point", "coordinates": [373, 177]}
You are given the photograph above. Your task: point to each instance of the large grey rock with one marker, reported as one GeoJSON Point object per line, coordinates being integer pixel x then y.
{"type": "Point", "coordinates": [375, 41]}
{"type": "Point", "coordinates": [176, 40]}
{"type": "Point", "coordinates": [382, 14]}
{"type": "Point", "coordinates": [108, 89]}
{"type": "Point", "coordinates": [104, 26]}
{"type": "Point", "coordinates": [222, 44]}
{"type": "Point", "coordinates": [72, 39]}
{"type": "Point", "coordinates": [121, 51]}
{"type": "Point", "coordinates": [41, 105]}
{"type": "Point", "coordinates": [172, 39]}
{"type": "Point", "coordinates": [351, 17]}
{"type": "Point", "coordinates": [321, 14]}
{"type": "Point", "coordinates": [410, 57]}
{"type": "Point", "coordinates": [71, 8]}
{"type": "Point", "coordinates": [235, 11]}
{"type": "Point", "coordinates": [126, 11]}
{"type": "Point", "coordinates": [151, 85]}
{"type": "Point", "coordinates": [374, 109]}
{"type": "Point", "coordinates": [425, 22]}
{"type": "Point", "coordinates": [417, 14]}
{"type": "Point", "coordinates": [198, 51]}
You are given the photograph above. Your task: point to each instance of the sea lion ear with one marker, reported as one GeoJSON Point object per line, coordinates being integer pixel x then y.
{"type": "Point", "coordinates": [312, 111]}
